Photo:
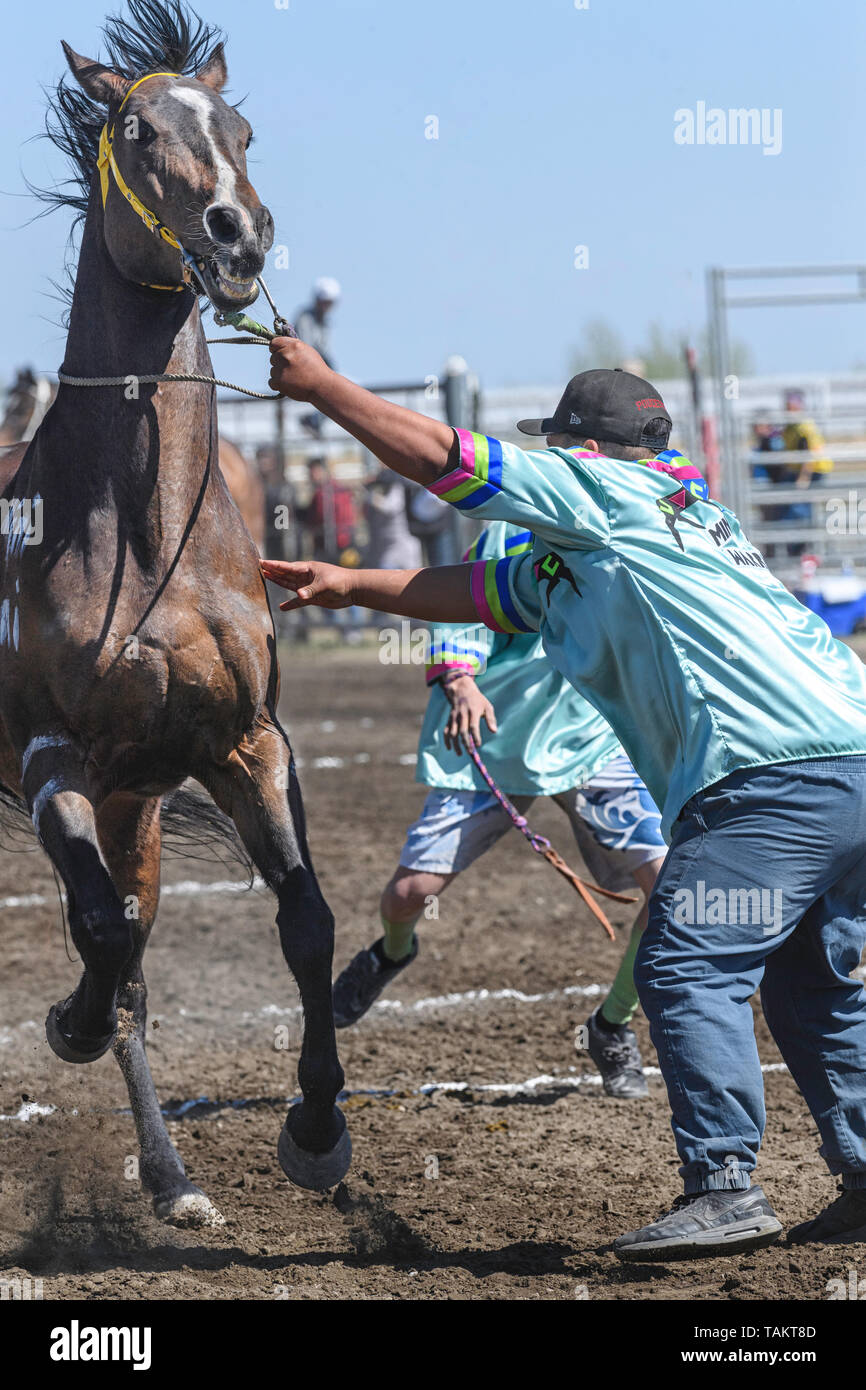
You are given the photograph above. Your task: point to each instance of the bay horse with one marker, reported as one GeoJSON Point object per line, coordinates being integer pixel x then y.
{"type": "Point", "coordinates": [137, 646]}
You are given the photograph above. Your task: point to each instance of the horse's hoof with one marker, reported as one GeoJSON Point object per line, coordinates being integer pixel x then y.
{"type": "Point", "coordinates": [64, 1045]}
{"type": "Point", "coordinates": [314, 1171]}
{"type": "Point", "coordinates": [189, 1209]}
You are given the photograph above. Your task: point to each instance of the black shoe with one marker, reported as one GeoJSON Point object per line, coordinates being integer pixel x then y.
{"type": "Point", "coordinates": [843, 1222]}
{"type": "Point", "coordinates": [363, 980]}
{"type": "Point", "coordinates": [724, 1222]}
{"type": "Point", "coordinates": [617, 1056]}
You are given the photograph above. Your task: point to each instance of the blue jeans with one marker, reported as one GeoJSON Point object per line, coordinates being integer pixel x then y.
{"type": "Point", "coordinates": [764, 884]}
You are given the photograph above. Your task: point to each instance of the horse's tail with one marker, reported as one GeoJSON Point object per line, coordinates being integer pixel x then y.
{"type": "Point", "coordinates": [16, 827]}
{"type": "Point", "coordinates": [193, 827]}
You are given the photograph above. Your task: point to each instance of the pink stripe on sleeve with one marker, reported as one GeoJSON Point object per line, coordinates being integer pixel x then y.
{"type": "Point", "coordinates": [465, 468]}
{"type": "Point", "coordinates": [467, 449]}
{"type": "Point", "coordinates": [450, 480]}
{"type": "Point", "coordinates": [479, 597]}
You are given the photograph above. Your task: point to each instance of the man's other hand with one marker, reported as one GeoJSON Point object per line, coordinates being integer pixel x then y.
{"type": "Point", "coordinates": [314, 582]}
{"type": "Point", "coordinates": [468, 708]}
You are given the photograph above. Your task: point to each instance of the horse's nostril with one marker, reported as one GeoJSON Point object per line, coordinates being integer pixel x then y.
{"type": "Point", "coordinates": [223, 224]}
{"type": "Point", "coordinates": [264, 224]}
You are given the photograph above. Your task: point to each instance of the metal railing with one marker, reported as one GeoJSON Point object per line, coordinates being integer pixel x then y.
{"type": "Point", "coordinates": [787, 534]}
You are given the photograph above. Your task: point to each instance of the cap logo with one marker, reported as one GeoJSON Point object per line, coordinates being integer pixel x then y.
{"type": "Point", "coordinates": [650, 403]}
{"type": "Point", "coordinates": [574, 419]}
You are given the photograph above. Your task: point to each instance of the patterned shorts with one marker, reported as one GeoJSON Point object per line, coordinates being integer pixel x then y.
{"type": "Point", "coordinates": [615, 822]}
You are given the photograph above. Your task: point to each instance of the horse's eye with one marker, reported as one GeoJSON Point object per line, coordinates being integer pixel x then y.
{"type": "Point", "coordinates": [142, 133]}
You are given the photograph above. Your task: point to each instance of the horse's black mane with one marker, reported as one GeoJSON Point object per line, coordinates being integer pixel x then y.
{"type": "Point", "coordinates": [154, 34]}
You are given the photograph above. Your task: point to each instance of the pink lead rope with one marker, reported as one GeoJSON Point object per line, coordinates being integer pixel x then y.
{"type": "Point", "coordinates": [543, 846]}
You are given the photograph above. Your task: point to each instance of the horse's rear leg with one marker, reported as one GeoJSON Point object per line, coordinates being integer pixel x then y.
{"type": "Point", "coordinates": [129, 834]}
{"type": "Point", "coordinates": [258, 788]}
{"type": "Point", "coordinates": [82, 1027]}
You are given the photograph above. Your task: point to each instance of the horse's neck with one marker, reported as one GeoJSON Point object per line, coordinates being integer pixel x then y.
{"type": "Point", "coordinates": [118, 327]}
{"type": "Point", "coordinates": [153, 443]}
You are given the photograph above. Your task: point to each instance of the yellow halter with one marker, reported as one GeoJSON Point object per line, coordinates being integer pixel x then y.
{"type": "Point", "coordinates": [106, 162]}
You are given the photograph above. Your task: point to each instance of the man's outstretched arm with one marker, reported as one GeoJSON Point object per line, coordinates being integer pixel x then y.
{"type": "Point", "coordinates": [440, 595]}
{"type": "Point", "coordinates": [409, 443]}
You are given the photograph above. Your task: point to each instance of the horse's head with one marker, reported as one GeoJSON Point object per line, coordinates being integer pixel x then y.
{"type": "Point", "coordinates": [181, 151]}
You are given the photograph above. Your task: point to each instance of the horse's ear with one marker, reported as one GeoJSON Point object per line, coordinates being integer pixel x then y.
{"type": "Point", "coordinates": [100, 83]}
{"type": "Point", "coordinates": [215, 74]}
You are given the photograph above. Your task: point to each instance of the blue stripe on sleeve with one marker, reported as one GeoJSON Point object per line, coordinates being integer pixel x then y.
{"type": "Point", "coordinates": [485, 493]}
{"type": "Point", "coordinates": [494, 463]}
{"type": "Point", "coordinates": [504, 594]}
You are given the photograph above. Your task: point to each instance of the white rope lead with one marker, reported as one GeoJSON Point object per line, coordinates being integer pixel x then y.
{"type": "Point", "coordinates": [281, 326]}
{"type": "Point", "coordinates": [154, 379]}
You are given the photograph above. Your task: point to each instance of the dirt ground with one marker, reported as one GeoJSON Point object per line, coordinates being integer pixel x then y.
{"type": "Point", "coordinates": [467, 1193]}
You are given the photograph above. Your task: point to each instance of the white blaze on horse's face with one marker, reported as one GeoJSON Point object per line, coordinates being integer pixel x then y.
{"type": "Point", "coordinates": [226, 178]}
{"type": "Point", "coordinates": [227, 224]}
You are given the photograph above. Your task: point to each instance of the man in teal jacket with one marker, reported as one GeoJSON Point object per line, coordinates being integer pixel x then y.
{"type": "Point", "coordinates": [745, 719]}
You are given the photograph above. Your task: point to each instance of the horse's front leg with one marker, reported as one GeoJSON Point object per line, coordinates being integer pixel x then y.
{"type": "Point", "coordinates": [258, 788]}
{"type": "Point", "coordinates": [82, 1027]}
{"type": "Point", "coordinates": [129, 834]}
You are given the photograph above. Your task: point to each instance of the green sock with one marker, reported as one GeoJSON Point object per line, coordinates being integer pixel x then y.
{"type": "Point", "coordinates": [398, 938]}
{"type": "Point", "coordinates": [621, 1004]}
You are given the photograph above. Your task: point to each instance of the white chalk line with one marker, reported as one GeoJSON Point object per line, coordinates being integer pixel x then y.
{"type": "Point", "coordinates": [468, 998]}
{"type": "Point", "coordinates": [31, 1109]}
{"type": "Point", "coordinates": [187, 888]}
{"type": "Point", "coordinates": [357, 759]}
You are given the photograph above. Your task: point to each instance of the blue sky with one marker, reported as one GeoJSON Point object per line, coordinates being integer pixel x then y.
{"type": "Point", "coordinates": [556, 129]}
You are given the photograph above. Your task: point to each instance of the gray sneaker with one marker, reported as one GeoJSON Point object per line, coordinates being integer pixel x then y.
{"type": "Point", "coordinates": [363, 980]}
{"type": "Point", "coordinates": [705, 1223]}
{"type": "Point", "coordinates": [617, 1056]}
{"type": "Point", "coordinates": [843, 1222]}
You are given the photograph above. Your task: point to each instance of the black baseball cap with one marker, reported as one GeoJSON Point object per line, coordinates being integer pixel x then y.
{"type": "Point", "coordinates": [610, 405]}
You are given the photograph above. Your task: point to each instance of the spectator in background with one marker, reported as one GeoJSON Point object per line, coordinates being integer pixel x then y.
{"type": "Point", "coordinates": [767, 439]}
{"type": "Point", "coordinates": [313, 323]}
{"type": "Point", "coordinates": [432, 522]}
{"type": "Point", "coordinates": [391, 545]}
{"type": "Point", "coordinates": [798, 435]}
{"type": "Point", "coordinates": [330, 521]}
{"type": "Point", "coordinates": [329, 517]}
{"type": "Point", "coordinates": [313, 326]}
{"type": "Point", "coordinates": [802, 434]}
